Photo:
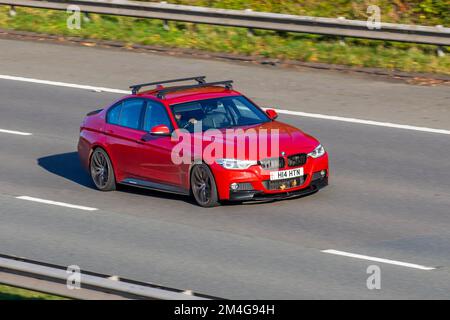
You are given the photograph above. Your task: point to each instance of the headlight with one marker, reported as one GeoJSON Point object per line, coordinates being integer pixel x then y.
{"type": "Point", "coordinates": [235, 164]}
{"type": "Point", "coordinates": [317, 152]}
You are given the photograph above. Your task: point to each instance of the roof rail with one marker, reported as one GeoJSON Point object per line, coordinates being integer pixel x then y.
{"type": "Point", "coordinates": [136, 87]}
{"type": "Point", "coordinates": [228, 85]}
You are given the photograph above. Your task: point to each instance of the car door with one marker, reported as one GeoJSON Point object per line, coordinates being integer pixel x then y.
{"type": "Point", "coordinates": [123, 135]}
{"type": "Point", "coordinates": [156, 157]}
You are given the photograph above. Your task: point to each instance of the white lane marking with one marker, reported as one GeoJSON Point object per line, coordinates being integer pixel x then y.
{"type": "Point", "coordinates": [61, 204]}
{"type": "Point", "coordinates": [360, 121]}
{"type": "Point", "coordinates": [64, 84]}
{"type": "Point", "coordinates": [289, 112]}
{"type": "Point", "coordinates": [16, 132]}
{"type": "Point", "coordinates": [375, 259]}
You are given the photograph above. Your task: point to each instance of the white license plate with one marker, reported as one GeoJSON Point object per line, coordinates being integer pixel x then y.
{"type": "Point", "coordinates": [286, 174]}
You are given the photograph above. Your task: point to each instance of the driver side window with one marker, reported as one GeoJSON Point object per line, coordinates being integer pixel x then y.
{"type": "Point", "coordinates": [156, 114]}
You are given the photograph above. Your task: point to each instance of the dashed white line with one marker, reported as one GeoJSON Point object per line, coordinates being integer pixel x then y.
{"type": "Point", "coordinates": [381, 260]}
{"type": "Point", "coordinates": [289, 112]}
{"type": "Point", "coordinates": [60, 204]}
{"type": "Point", "coordinates": [15, 132]}
{"type": "Point", "coordinates": [64, 84]}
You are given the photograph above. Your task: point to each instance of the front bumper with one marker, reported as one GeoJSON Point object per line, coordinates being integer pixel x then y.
{"type": "Point", "coordinates": [254, 195]}
{"type": "Point", "coordinates": [258, 186]}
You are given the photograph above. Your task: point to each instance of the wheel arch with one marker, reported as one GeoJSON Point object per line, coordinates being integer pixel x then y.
{"type": "Point", "coordinates": [195, 163]}
{"type": "Point", "coordinates": [111, 159]}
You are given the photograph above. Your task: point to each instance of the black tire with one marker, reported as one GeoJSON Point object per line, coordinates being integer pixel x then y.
{"type": "Point", "coordinates": [203, 186]}
{"type": "Point", "coordinates": [102, 172]}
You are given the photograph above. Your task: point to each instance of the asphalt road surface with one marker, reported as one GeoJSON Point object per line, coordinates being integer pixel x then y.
{"type": "Point", "coordinates": [389, 193]}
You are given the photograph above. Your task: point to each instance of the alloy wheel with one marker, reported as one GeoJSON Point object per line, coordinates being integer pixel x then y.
{"type": "Point", "coordinates": [100, 169]}
{"type": "Point", "coordinates": [201, 185]}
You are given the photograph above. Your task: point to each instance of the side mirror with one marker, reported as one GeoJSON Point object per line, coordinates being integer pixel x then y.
{"type": "Point", "coordinates": [160, 130]}
{"type": "Point", "coordinates": [272, 114]}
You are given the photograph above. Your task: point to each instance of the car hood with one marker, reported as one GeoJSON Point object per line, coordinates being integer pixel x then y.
{"type": "Point", "coordinates": [290, 140]}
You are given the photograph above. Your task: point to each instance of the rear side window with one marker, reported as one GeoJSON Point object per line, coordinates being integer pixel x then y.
{"type": "Point", "coordinates": [127, 114]}
{"type": "Point", "coordinates": [114, 114]}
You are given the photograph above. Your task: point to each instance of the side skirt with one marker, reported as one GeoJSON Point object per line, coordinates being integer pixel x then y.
{"type": "Point", "coordinates": [155, 186]}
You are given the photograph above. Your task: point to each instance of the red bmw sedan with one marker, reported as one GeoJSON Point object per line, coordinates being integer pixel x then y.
{"type": "Point", "coordinates": [205, 140]}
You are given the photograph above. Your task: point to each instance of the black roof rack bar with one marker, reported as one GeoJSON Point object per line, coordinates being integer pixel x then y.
{"type": "Point", "coordinates": [228, 84]}
{"type": "Point", "coordinates": [135, 88]}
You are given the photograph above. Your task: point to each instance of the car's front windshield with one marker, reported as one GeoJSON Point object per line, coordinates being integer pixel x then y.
{"type": "Point", "coordinates": [218, 113]}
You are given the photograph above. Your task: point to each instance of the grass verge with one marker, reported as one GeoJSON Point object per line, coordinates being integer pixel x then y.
{"type": "Point", "coordinates": [12, 293]}
{"type": "Point", "coordinates": [280, 45]}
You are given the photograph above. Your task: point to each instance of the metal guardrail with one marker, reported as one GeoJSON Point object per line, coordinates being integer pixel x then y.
{"type": "Point", "coordinates": [249, 19]}
{"type": "Point", "coordinates": [48, 278]}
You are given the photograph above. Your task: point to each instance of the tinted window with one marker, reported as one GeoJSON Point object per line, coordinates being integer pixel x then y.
{"type": "Point", "coordinates": [114, 114]}
{"type": "Point", "coordinates": [246, 112]}
{"type": "Point", "coordinates": [155, 115]}
{"type": "Point", "coordinates": [130, 113]}
{"type": "Point", "coordinates": [218, 113]}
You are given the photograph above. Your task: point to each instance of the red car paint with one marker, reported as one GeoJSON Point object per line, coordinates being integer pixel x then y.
{"type": "Point", "coordinates": [132, 157]}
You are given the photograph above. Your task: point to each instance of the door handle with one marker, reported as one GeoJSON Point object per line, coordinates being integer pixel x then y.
{"type": "Point", "coordinates": [146, 137]}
